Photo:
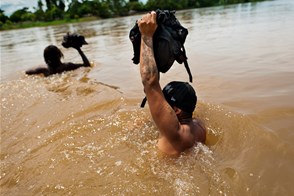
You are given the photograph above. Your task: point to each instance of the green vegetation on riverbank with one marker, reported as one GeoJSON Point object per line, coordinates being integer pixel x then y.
{"type": "Point", "coordinates": [55, 12]}
{"type": "Point", "coordinates": [29, 24]}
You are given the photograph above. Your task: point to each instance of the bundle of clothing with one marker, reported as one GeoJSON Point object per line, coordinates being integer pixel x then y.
{"type": "Point", "coordinates": [73, 40]}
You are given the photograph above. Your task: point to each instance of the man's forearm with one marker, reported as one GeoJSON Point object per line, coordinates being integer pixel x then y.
{"type": "Point", "coordinates": [84, 58]}
{"type": "Point", "coordinates": [148, 68]}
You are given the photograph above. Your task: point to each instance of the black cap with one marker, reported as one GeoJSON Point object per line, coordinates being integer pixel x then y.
{"type": "Point", "coordinates": [181, 95]}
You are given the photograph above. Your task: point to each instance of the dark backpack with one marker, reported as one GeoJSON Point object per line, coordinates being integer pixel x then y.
{"type": "Point", "coordinates": [168, 43]}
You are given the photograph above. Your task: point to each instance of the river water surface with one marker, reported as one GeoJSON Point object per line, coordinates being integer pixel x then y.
{"type": "Point", "coordinates": [83, 133]}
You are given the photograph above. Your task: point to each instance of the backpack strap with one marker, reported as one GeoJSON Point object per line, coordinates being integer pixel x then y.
{"type": "Point", "coordinates": [188, 70]}
{"type": "Point", "coordinates": [143, 102]}
{"type": "Point", "coordinates": [187, 65]}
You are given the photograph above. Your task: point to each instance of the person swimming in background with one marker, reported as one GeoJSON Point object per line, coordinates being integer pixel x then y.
{"type": "Point", "coordinates": [171, 108]}
{"type": "Point", "coordinates": [52, 57]}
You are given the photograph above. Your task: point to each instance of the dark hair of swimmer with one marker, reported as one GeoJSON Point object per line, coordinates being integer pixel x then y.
{"type": "Point", "coordinates": [52, 56]}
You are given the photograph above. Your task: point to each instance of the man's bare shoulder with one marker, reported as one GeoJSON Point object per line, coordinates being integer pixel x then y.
{"type": "Point", "coordinates": [187, 136]}
{"type": "Point", "coordinates": [199, 129]}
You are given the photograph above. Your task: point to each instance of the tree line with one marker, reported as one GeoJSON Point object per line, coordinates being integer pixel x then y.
{"type": "Point", "coordinates": [57, 10]}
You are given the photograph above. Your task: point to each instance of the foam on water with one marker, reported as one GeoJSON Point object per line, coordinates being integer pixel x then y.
{"type": "Point", "coordinates": [71, 136]}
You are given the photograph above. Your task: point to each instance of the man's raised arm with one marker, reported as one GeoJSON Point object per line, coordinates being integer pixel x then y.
{"type": "Point", "coordinates": [162, 114]}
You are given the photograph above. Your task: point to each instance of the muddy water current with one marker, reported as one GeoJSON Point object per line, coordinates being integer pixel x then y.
{"type": "Point", "coordinates": [83, 132]}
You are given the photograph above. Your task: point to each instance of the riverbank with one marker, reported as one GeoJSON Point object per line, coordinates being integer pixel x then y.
{"type": "Point", "coordinates": [27, 19]}
{"type": "Point", "coordinates": [30, 24]}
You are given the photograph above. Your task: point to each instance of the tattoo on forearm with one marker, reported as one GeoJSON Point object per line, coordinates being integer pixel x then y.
{"type": "Point", "coordinates": [148, 41]}
{"type": "Point", "coordinates": [149, 67]}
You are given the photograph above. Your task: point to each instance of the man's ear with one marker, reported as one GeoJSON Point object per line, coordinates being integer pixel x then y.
{"type": "Point", "coordinates": [177, 110]}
